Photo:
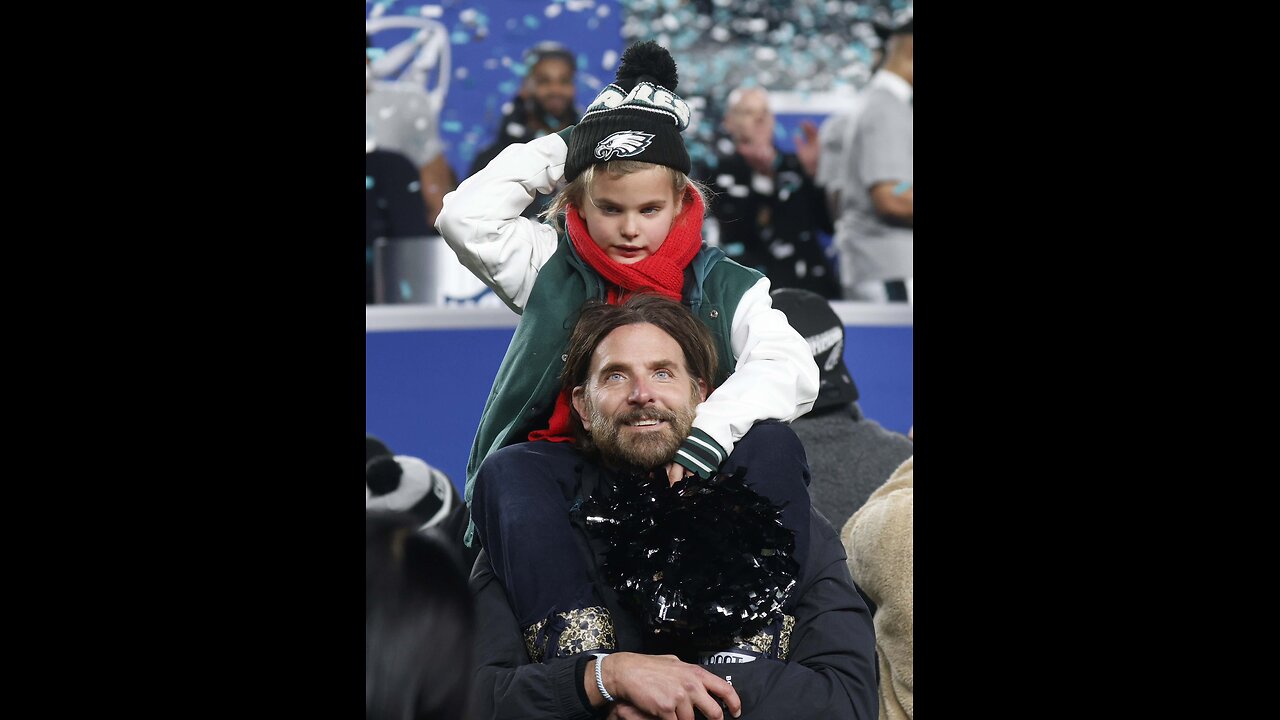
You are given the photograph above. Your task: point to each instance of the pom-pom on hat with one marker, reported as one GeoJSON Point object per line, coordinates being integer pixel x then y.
{"type": "Point", "coordinates": [637, 117]}
{"type": "Point", "coordinates": [404, 483]}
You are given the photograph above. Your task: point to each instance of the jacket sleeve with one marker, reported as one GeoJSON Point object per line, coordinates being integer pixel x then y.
{"type": "Point", "coordinates": [830, 672]}
{"type": "Point", "coordinates": [506, 685]}
{"type": "Point", "coordinates": [774, 378]}
{"type": "Point", "coordinates": [481, 219]}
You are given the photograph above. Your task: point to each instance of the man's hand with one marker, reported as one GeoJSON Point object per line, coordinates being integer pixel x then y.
{"type": "Point", "coordinates": [662, 686]}
{"type": "Point", "coordinates": [807, 148]}
{"type": "Point", "coordinates": [676, 472]}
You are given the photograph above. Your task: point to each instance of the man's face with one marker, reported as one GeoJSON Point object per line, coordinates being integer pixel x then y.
{"type": "Point", "coordinates": [639, 398]}
{"type": "Point", "coordinates": [749, 121]}
{"type": "Point", "coordinates": [550, 83]}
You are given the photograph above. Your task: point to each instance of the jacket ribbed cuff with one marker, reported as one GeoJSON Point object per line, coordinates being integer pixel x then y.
{"type": "Point", "coordinates": [700, 454]}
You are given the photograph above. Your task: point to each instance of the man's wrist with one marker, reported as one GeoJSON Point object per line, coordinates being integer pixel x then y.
{"type": "Point", "coordinates": [587, 682]}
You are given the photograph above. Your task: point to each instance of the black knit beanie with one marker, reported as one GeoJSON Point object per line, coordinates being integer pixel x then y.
{"type": "Point", "coordinates": [637, 117]}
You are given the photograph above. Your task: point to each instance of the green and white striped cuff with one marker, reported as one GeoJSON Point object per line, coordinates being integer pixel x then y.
{"type": "Point", "coordinates": [700, 454]}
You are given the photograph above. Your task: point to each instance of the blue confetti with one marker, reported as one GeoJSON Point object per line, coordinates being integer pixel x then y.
{"type": "Point", "coordinates": [531, 21]}
{"type": "Point", "coordinates": [459, 38]}
{"type": "Point", "coordinates": [451, 126]}
{"type": "Point", "coordinates": [406, 290]}
{"type": "Point", "coordinates": [368, 182]}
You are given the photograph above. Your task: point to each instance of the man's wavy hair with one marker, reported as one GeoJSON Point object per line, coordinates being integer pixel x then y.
{"type": "Point", "coordinates": [598, 319]}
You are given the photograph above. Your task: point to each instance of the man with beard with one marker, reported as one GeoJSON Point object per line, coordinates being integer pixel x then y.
{"type": "Point", "coordinates": [544, 105]}
{"type": "Point", "coordinates": [554, 640]}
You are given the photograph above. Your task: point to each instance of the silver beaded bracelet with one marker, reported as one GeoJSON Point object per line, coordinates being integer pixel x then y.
{"type": "Point", "coordinates": [600, 680]}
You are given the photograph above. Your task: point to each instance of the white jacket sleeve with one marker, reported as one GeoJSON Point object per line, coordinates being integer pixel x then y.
{"type": "Point", "coordinates": [481, 219]}
{"type": "Point", "coordinates": [774, 376]}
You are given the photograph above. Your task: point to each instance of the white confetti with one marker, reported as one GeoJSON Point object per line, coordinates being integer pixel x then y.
{"type": "Point", "coordinates": [432, 11]}
{"type": "Point", "coordinates": [552, 10]}
{"type": "Point", "coordinates": [609, 60]}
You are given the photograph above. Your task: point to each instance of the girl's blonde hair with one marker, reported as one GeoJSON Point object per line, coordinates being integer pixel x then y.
{"type": "Point", "coordinates": [580, 189]}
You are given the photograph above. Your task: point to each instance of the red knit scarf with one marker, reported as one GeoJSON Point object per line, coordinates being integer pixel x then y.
{"type": "Point", "coordinates": [662, 272]}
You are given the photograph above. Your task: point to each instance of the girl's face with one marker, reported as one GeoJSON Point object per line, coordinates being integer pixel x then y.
{"type": "Point", "coordinates": [629, 216]}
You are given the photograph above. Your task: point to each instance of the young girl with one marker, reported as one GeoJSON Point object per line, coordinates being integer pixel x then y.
{"type": "Point", "coordinates": [632, 222]}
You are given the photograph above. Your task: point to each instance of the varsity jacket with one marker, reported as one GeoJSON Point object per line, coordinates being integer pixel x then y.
{"type": "Point", "coordinates": [537, 273]}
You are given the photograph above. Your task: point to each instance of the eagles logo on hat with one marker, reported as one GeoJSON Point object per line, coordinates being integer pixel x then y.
{"type": "Point", "coordinates": [637, 117]}
{"type": "Point", "coordinates": [623, 144]}
{"type": "Point", "coordinates": [811, 316]}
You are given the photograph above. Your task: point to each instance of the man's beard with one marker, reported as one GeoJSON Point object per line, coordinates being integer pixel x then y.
{"type": "Point", "coordinates": [567, 116]}
{"type": "Point", "coordinates": [644, 450]}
